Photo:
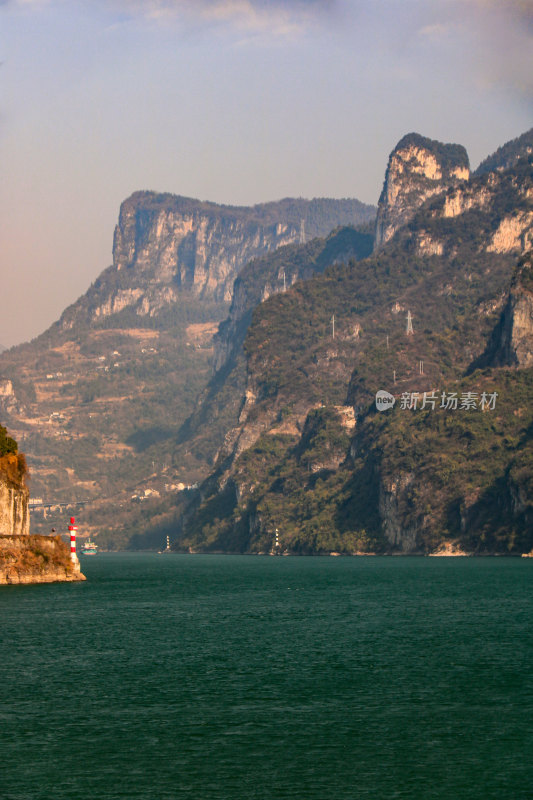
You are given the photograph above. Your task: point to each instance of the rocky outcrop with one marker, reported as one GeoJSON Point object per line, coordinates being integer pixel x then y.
{"type": "Point", "coordinates": [8, 401]}
{"type": "Point", "coordinates": [498, 205]}
{"type": "Point", "coordinates": [512, 343]}
{"type": "Point", "coordinates": [36, 559]}
{"type": "Point", "coordinates": [26, 558]}
{"type": "Point", "coordinates": [418, 168]}
{"type": "Point", "coordinates": [514, 234]}
{"type": "Point", "coordinates": [14, 512]}
{"type": "Point", "coordinates": [165, 245]}
{"type": "Point", "coordinates": [393, 503]}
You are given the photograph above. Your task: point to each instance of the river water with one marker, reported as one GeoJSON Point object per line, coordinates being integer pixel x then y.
{"type": "Point", "coordinates": [232, 678]}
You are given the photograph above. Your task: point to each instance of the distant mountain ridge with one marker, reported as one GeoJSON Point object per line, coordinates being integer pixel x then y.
{"type": "Point", "coordinates": [508, 154]}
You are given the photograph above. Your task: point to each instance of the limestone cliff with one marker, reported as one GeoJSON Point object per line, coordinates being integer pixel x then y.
{"type": "Point", "coordinates": [165, 246]}
{"type": "Point", "coordinates": [394, 501]}
{"type": "Point", "coordinates": [418, 168]}
{"type": "Point", "coordinates": [14, 512]}
{"type": "Point", "coordinates": [501, 202]}
{"type": "Point", "coordinates": [25, 558]}
{"type": "Point", "coordinates": [179, 244]}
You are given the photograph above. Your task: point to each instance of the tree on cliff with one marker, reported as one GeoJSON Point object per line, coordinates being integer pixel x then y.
{"type": "Point", "coordinates": [7, 444]}
{"type": "Point", "coordinates": [12, 463]}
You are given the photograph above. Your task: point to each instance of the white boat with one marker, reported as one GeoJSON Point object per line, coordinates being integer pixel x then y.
{"type": "Point", "coordinates": [89, 548]}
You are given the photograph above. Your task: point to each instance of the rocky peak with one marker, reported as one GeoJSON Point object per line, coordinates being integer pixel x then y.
{"type": "Point", "coordinates": [418, 168]}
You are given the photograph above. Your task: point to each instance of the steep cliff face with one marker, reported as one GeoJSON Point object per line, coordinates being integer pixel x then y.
{"type": "Point", "coordinates": [418, 168]}
{"type": "Point", "coordinates": [14, 512]}
{"type": "Point", "coordinates": [496, 208]}
{"type": "Point", "coordinates": [512, 343]}
{"type": "Point", "coordinates": [193, 247]}
{"type": "Point", "coordinates": [25, 558]}
{"type": "Point", "coordinates": [167, 245]}
{"type": "Point", "coordinates": [394, 500]}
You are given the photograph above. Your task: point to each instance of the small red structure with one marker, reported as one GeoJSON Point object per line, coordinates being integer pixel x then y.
{"type": "Point", "coordinates": [73, 528]}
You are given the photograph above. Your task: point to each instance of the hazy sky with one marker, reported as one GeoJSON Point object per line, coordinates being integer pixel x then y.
{"type": "Point", "coordinates": [236, 101]}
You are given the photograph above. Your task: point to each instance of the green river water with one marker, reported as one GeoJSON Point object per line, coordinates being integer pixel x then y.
{"type": "Point", "coordinates": [231, 678]}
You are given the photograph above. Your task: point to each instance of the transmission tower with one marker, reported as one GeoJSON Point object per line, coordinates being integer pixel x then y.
{"type": "Point", "coordinates": [409, 330]}
{"type": "Point", "coordinates": [302, 231]}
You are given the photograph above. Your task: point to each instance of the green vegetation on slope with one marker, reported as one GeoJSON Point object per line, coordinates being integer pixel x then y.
{"type": "Point", "coordinates": [405, 479]}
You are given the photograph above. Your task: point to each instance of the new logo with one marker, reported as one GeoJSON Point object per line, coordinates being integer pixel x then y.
{"type": "Point", "coordinates": [384, 400]}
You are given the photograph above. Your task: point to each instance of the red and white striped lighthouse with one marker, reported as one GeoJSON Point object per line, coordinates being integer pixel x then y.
{"type": "Point", "coordinates": [73, 528]}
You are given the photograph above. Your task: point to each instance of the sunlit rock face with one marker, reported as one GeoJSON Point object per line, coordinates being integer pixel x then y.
{"type": "Point", "coordinates": [14, 512]}
{"type": "Point", "coordinates": [418, 168]}
{"type": "Point", "coordinates": [165, 245]}
{"type": "Point", "coordinates": [180, 244]}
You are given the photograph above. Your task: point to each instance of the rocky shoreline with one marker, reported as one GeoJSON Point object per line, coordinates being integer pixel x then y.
{"type": "Point", "coordinates": [36, 559]}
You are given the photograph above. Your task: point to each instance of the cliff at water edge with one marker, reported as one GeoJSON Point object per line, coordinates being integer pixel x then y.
{"type": "Point", "coordinates": [25, 558]}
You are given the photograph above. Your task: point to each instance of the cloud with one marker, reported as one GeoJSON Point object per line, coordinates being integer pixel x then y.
{"type": "Point", "coordinates": [247, 18]}
{"type": "Point", "coordinates": [434, 31]}
{"type": "Point", "coordinates": [277, 18]}
{"type": "Point", "coordinates": [503, 35]}
{"type": "Point", "coordinates": [495, 38]}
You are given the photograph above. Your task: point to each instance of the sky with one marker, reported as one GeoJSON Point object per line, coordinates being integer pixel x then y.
{"type": "Point", "coordinates": [233, 101]}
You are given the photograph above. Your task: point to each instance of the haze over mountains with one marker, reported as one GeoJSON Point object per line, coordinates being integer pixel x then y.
{"type": "Point", "coordinates": [118, 398]}
{"type": "Point", "coordinates": [98, 399]}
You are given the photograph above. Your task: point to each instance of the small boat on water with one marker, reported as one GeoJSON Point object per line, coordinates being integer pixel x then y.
{"type": "Point", "coordinates": [89, 548]}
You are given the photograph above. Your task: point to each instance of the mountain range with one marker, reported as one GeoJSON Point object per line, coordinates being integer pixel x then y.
{"type": "Point", "coordinates": [98, 400]}
{"type": "Point", "coordinates": [238, 352]}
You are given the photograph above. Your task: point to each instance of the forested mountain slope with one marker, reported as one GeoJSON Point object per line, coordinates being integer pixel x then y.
{"type": "Point", "coordinates": [450, 465]}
